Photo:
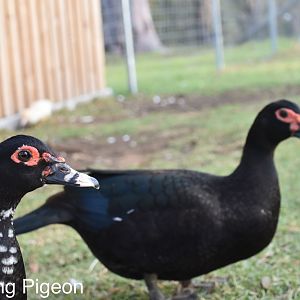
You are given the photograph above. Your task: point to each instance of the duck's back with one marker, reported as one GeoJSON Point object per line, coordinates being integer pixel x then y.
{"type": "Point", "coordinates": [177, 224]}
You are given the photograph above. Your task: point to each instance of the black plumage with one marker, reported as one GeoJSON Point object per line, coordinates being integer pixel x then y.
{"type": "Point", "coordinates": [25, 165]}
{"type": "Point", "coordinates": [178, 224]}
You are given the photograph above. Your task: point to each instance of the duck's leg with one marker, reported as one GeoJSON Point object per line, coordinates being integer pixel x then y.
{"type": "Point", "coordinates": [186, 291]}
{"type": "Point", "coordinates": [151, 283]}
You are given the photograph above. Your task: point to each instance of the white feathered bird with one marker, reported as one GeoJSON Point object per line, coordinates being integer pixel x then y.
{"type": "Point", "coordinates": [38, 111]}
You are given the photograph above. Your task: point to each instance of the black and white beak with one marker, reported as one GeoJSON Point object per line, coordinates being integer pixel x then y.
{"type": "Point", "coordinates": [63, 174]}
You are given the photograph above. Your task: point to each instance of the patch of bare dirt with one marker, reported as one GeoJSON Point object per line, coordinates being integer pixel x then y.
{"type": "Point", "coordinates": [136, 152]}
{"type": "Point", "coordinates": [198, 102]}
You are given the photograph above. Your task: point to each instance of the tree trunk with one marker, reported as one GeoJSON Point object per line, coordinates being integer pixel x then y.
{"type": "Point", "coordinates": [146, 38]}
{"type": "Point", "coordinates": [145, 35]}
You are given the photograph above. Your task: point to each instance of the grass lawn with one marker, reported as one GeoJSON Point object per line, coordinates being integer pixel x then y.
{"type": "Point", "coordinates": [175, 134]}
{"type": "Point", "coordinates": [248, 67]}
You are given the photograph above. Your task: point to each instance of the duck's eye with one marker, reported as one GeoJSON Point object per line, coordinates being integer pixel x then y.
{"type": "Point", "coordinates": [283, 113]}
{"type": "Point", "coordinates": [24, 155]}
{"type": "Point", "coordinates": [28, 155]}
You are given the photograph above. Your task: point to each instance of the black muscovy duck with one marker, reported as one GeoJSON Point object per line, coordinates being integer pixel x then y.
{"type": "Point", "coordinates": [178, 224]}
{"type": "Point", "coordinates": [26, 164]}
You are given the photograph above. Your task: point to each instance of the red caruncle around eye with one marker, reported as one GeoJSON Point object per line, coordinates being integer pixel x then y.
{"type": "Point", "coordinates": [28, 155]}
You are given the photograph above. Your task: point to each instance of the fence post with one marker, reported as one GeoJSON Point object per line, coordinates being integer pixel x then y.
{"type": "Point", "coordinates": [218, 34]}
{"type": "Point", "coordinates": [130, 56]}
{"type": "Point", "coordinates": [273, 25]}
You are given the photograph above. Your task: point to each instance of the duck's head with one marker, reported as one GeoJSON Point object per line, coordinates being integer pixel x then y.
{"type": "Point", "coordinates": [26, 163]}
{"type": "Point", "coordinates": [276, 122]}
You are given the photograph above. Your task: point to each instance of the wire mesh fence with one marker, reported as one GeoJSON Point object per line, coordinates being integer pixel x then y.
{"type": "Point", "coordinates": [189, 24]}
{"type": "Point", "coordinates": [243, 23]}
{"type": "Point", "coordinates": [181, 23]}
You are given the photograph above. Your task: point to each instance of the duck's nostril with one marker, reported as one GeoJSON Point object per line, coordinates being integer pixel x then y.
{"type": "Point", "coordinates": [64, 169]}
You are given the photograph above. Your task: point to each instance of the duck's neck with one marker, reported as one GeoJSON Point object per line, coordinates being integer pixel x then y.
{"type": "Point", "coordinates": [9, 199]}
{"type": "Point", "coordinates": [12, 270]}
{"type": "Point", "coordinates": [256, 177]}
{"type": "Point", "coordinates": [258, 154]}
